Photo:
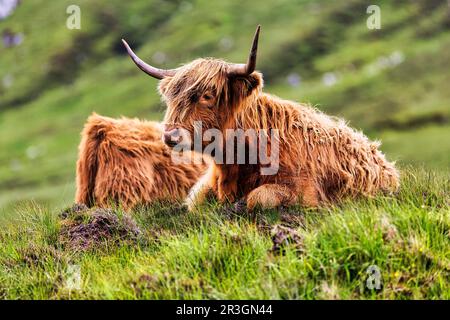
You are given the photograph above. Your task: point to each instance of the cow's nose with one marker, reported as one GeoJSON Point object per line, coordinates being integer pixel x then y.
{"type": "Point", "coordinates": [172, 137]}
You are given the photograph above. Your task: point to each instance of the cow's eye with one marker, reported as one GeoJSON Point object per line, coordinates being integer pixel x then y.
{"type": "Point", "coordinates": [207, 97]}
{"type": "Point", "coordinates": [194, 98]}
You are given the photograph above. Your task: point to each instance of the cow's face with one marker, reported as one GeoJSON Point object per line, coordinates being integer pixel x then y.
{"type": "Point", "coordinates": [202, 95]}
{"type": "Point", "coordinates": [205, 92]}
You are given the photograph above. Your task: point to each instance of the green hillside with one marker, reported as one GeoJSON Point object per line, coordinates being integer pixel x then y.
{"type": "Point", "coordinates": [392, 83]}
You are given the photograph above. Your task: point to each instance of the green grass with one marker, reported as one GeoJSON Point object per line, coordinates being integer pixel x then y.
{"type": "Point", "coordinates": [208, 254]}
{"type": "Point", "coordinates": [53, 90]}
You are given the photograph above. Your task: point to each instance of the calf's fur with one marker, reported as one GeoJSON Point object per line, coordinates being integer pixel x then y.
{"type": "Point", "coordinates": [124, 162]}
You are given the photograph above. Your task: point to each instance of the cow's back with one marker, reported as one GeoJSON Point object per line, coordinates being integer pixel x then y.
{"type": "Point", "coordinates": [124, 162]}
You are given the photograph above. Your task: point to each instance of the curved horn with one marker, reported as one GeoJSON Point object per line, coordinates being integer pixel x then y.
{"type": "Point", "coordinates": [148, 69]}
{"type": "Point", "coordinates": [246, 69]}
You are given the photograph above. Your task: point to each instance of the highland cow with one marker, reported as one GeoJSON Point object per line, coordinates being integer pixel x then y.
{"type": "Point", "coordinates": [124, 162]}
{"type": "Point", "coordinates": [321, 159]}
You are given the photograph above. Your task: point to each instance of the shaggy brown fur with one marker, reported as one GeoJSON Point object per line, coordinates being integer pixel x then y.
{"type": "Point", "coordinates": [321, 159]}
{"type": "Point", "coordinates": [125, 162]}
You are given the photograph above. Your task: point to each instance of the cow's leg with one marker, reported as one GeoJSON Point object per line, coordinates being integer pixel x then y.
{"type": "Point", "coordinates": [274, 195]}
{"type": "Point", "coordinates": [227, 183]}
{"type": "Point", "coordinates": [271, 196]}
{"type": "Point", "coordinates": [199, 192]}
{"type": "Point", "coordinates": [309, 192]}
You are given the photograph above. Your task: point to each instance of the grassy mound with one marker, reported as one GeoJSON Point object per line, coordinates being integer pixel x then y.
{"type": "Point", "coordinates": [83, 229]}
{"type": "Point", "coordinates": [392, 83]}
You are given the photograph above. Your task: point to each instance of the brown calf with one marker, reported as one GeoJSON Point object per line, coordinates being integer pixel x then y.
{"type": "Point", "coordinates": [124, 162]}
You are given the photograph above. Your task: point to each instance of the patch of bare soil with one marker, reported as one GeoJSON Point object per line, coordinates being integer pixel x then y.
{"type": "Point", "coordinates": [83, 228]}
{"type": "Point", "coordinates": [292, 218]}
{"type": "Point", "coordinates": [283, 237]}
{"type": "Point", "coordinates": [231, 210]}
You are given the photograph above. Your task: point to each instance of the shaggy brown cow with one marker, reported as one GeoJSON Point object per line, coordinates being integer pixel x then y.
{"type": "Point", "coordinates": [124, 162]}
{"type": "Point", "coordinates": [321, 159]}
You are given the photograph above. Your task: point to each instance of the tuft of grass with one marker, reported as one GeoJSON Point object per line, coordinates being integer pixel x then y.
{"type": "Point", "coordinates": [212, 254]}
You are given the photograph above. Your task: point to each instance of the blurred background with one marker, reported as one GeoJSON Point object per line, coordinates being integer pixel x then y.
{"type": "Point", "coordinates": [392, 83]}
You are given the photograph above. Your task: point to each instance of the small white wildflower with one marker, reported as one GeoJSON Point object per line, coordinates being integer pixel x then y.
{"type": "Point", "coordinates": [294, 79]}
{"type": "Point", "coordinates": [159, 57]}
{"type": "Point", "coordinates": [33, 152]}
{"type": "Point", "coordinates": [329, 79]}
{"type": "Point", "coordinates": [226, 43]}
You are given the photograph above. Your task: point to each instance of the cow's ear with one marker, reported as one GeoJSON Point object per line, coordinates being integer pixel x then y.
{"type": "Point", "coordinates": [245, 85]}
{"type": "Point", "coordinates": [162, 86]}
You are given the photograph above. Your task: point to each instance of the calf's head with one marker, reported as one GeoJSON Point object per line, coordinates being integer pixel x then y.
{"type": "Point", "coordinates": [210, 91]}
